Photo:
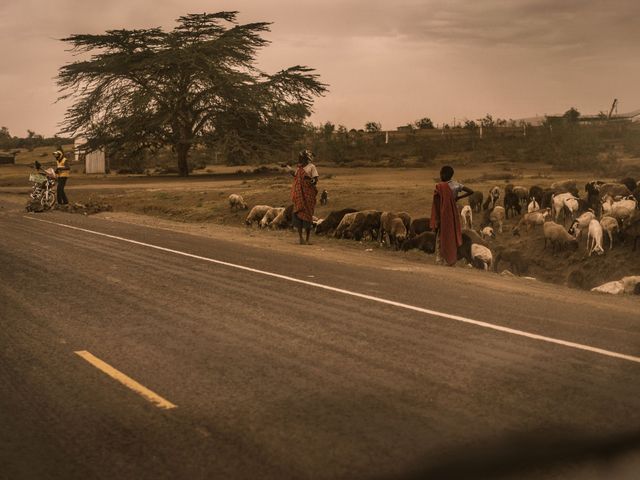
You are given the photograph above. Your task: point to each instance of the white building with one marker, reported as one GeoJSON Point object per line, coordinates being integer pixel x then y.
{"type": "Point", "coordinates": [94, 162]}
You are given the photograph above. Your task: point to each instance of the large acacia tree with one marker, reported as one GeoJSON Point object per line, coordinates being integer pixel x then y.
{"type": "Point", "coordinates": [147, 89]}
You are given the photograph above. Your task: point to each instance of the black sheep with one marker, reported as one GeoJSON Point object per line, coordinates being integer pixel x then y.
{"type": "Point", "coordinates": [632, 231]}
{"type": "Point", "coordinates": [512, 203]}
{"type": "Point", "coordinates": [636, 195]}
{"type": "Point", "coordinates": [536, 192]}
{"type": "Point", "coordinates": [630, 183]}
{"type": "Point", "coordinates": [464, 250]}
{"type": "Point", "coordinates": [426, 242]}
{"type": "Point", "coordinates": [547, 198]}
{"type": "Point", "coordinates": [593, 196]}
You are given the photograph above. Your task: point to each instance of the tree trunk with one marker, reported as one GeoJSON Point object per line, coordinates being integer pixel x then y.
{"type": "Point", "coordinates": [183, 163]}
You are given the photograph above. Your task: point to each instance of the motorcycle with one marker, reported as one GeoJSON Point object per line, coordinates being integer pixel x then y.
{"type": "Point", "coordinates": [43, 189]}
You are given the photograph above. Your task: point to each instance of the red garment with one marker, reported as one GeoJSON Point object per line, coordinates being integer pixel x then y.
{"type": "Point", "coordinates": [444, 215]}
{"type": "Point", "coordinates": [303, 196]}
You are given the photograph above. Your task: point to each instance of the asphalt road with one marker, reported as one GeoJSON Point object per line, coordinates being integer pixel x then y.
{"type": "Point", "coordinates": [273, 378]}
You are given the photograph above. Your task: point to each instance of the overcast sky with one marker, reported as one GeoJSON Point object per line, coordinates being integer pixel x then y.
{"type": "Point", "coordinates": [387, 61]}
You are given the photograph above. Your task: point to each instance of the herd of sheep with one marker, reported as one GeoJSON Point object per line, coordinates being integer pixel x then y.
{"type": "Point", "coordinates": [564, 216]}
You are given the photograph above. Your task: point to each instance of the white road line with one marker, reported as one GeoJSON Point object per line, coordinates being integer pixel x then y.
{"type": "Point", "coordinates": [126, 380]}
{"type": "Point", "coordinates": [457, 318]}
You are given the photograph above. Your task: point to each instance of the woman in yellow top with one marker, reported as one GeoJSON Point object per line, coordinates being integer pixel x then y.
{"type": "Point", "coordinates": [62, 170]}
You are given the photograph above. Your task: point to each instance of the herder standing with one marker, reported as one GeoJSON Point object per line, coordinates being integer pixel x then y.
{"type": "Point", "coordinates": [62, 170]}
{"type": "Point", "coordinates": [303, 194]}
{"type": "Point", "coordinates": [445, 220]}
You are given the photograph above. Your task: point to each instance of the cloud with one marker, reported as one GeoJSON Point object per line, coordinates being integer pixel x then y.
{"type": "Point", "coordinates": [389, 61]}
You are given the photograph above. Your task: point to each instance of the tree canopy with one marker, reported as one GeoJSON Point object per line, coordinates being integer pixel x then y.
{"type": "Point", "coordinates": [197, 84]}
{"type": "Point", "coordinates": [373, 127]}
{"type": "Point", "coordinates": [572, 115]}
{"type": "Point", "coordinates": [424, 123]}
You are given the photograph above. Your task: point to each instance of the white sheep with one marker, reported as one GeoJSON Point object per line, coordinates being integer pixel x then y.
{"type": "Point", "coordinates": [237, 202]}
{"type": "Point", "coordinates": [481, 254]}
{"type": "Point", "coordinates": [610, 225]}
{"type": "Point", "coordinates": [628, 202]}
{"type": "Point", "coordinates": [594, 238]}
{"type": "Point", "coordinates": [561, 201]}
{"type": "Point", "coordinates": [256, 214]}
{"type": "Point", "coordinates": [497, 217]}
{"type": "Point", "coordinates": [270, 215]}
{"type": "Point", "coordinates": [557, 236]}
{"type": "Point", "coordinates": [532, 219]}
{"type": "Point", "coordinates": [466, 217]}
{"type": "Point", "coordinates": [487, 232]}
{"type": "Point", "coordinates": [609, 203]}
{"type": "Point", "coordinates": [533, 205]}
{"type": "Point", "coordinates": [622, 214]}
{"type": "Point", "coordinates": [581, 223]}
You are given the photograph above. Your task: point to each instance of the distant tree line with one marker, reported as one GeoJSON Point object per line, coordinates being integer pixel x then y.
{"type": "Point", "coordinates": [31, 141]}
{"type": "Point", "coordinates": [564, 144]}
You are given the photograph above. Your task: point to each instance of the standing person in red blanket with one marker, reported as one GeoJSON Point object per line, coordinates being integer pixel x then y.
{"type": "Point", "coordinates": [445, 219]}
{"type": "Point", "coordinates": [303, 194]}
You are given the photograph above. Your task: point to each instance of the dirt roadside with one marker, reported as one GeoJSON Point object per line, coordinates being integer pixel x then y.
{"type": "Point", "coordinates": [351, 254]}
{"type": "Point", "coordinates": [199, 204]}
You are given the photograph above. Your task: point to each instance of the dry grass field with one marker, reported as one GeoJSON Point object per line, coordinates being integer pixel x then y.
{"type": "Point", "coordinates": [202, 198]}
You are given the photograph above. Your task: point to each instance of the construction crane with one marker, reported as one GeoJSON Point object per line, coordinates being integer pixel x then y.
{"type": "Point", "coordinates": [613, 105]}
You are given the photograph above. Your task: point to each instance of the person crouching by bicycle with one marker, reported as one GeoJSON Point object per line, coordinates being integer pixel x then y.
{"type": "Point", "coordinates": [62, 170]}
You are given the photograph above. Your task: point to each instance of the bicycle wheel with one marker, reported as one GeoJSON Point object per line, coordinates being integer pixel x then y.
{"type": "Point", "coordinates": [48, 199]}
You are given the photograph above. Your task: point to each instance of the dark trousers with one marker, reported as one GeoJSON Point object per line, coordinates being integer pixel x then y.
{"type": "Point", "coordinates": [62, 197]}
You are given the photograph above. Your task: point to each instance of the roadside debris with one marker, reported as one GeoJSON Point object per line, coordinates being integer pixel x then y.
{"type": "Point", "coordinates": [89, 208]}
{"type": "Point", "coordinates": [626, 285]}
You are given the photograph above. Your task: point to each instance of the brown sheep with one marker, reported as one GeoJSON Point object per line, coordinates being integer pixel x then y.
{"type": "Point", "coordinates": [613, 189]}
{"type": "Point", "coordinates": [237, 202]}
{"type": "Point", "coordinates": [565, 186]}
{"type": "Point", "coordinates": [386, 218]}
{"type": "Point", "coordinates": [256, 214]}
{"type": "Point", "coordinates": [517, 263]}
{"type": "Point", "coordinates": [332, 220]}
{"type": "Point", "coordinates": [397, 232]}
{"type": "Point", "coordinates": [366, 222]}
{"type": "Point", "coordinates": [475, 201]}
{"type": "Point", "coordinates": [531, 220]}
{"type": "Point", "coordinates": [419, 225]}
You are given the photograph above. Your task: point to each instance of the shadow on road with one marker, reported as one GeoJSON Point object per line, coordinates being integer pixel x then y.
{"type": "Point", "coordinates": [525, 453]}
